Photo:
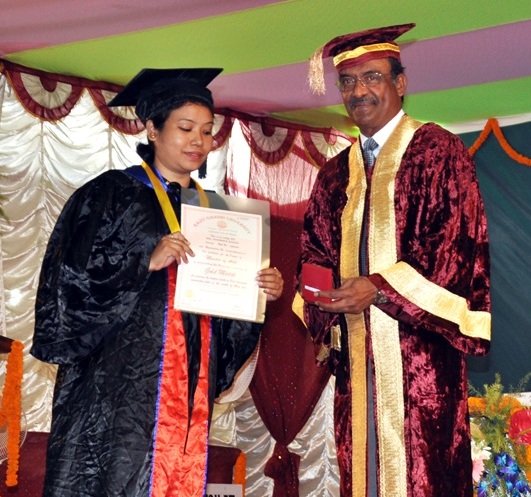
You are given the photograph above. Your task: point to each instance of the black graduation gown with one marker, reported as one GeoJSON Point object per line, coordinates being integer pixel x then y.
{"type": "Point", "coordinates": [100, 315]}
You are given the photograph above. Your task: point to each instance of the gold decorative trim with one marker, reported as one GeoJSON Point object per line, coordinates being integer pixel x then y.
{"type": "Point", "coordinates": [297, 306]}
{"type": "Point", "coordinates": [358, 381]}
{"type": "Point", "coordinates": [352, 213]}
{"type": "Point", "coordinates": [359, 51]}
{"type": "Point", "coordinates": [335, 337]}
{"type": "Point", "coordinates": [438, 301]}
{"type": "Point", "coordinates": [384, 330]}
{"type": "Point", "coordinates": [349, 266]}
{"type": "Point", "coordinates": [387, 355]}
{"type": "Point", "coordinates": [323, 354]}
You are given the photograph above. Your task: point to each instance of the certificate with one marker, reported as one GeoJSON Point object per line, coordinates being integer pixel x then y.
{"type": "Point", "coordinates": [228, 246]}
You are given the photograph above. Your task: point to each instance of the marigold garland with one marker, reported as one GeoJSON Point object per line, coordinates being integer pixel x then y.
{"type": "Point", "coordinates": [476, 406]}
{"type": "Point", "coordinates": [493, 126]}
{"type": "Point", "coordinates": [528, 461]}
{"type": "Point", "coordinates": [10, 412]}
{"type": "Point", "coordinates": [239, 472]}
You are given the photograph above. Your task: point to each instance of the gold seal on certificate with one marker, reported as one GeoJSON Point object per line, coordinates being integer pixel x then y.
{"type": "Point", "coordinates": [231, 244]}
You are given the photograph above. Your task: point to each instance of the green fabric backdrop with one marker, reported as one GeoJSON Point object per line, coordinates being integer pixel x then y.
{"type": "Point", "coordinates": [506, 188]}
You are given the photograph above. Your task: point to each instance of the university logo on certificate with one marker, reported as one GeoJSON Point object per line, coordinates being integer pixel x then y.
{"type": "Point", "coordinates": [230, 240]}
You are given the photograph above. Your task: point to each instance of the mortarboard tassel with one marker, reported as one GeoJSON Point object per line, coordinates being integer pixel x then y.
{"type": "Point", "coordinates": [316, 72]}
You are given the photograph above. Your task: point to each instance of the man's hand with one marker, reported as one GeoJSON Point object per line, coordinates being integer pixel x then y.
{"type": "Point", "coordinates": [352, 297]}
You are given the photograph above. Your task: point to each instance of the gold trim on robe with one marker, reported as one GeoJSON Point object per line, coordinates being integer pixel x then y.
{"type": "Point", "coordinates": [297, 306]}
{"type": "Point", "coordinates": [349, 268]}
{"type": "Point", "coordinates": [387, 356]}
{"type": "Point", "coordinates": [437, 301]}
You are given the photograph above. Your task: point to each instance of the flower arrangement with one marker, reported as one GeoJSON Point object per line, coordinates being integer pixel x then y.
{"type": "Point", "coordinates": [500, 426]}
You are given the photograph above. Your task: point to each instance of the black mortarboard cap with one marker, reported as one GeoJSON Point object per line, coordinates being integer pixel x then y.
{"type": "Point", "coordinates": [154, 90]}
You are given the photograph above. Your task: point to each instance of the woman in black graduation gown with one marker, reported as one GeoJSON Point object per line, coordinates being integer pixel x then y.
{"type": "Point", "coordinates": [136, 377]}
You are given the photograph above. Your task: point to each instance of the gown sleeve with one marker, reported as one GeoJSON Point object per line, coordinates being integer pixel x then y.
{"type": "Point", "coordinates": [441, 281]}
{"type": "Point", "coordinates": [95, 264]}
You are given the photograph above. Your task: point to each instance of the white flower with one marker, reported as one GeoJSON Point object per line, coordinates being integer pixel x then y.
{"type": "Point", "coordinates": [480, 450]}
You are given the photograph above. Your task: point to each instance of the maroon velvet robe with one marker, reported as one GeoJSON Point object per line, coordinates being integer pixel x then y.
{"type": "Point", "coordinates": [428, 253]}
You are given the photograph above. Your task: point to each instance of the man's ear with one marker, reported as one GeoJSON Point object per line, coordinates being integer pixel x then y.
{"type": "Point", "coordinates": [401, 84]}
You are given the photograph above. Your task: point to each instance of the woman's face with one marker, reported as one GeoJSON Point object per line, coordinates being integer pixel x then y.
{"type": "Point", "coordinates": [184, 142]}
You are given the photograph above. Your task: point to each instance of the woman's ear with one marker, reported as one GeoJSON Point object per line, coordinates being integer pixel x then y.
{"type": "Point", "coordinates": [151, 130]}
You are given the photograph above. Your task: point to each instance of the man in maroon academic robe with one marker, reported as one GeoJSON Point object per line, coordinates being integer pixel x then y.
{"type": "Point", "coordinates": [405, 235]}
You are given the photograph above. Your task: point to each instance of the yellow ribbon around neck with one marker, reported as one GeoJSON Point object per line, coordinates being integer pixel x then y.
{"type": "Point", "coordinates": [164, 199]}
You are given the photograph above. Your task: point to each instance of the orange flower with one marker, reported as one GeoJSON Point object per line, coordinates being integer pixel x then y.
{"type": "Point", "coordinates": [528, 454]}
{"type": "Point", "coordinates": [476, 405]}
{"type": "Point", "coordinates": [528, 461]}
{"type": "Point", "coordinates": [509, 402]}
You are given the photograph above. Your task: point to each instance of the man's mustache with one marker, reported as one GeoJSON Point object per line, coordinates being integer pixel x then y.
{"type": "Point", "coordinates": [354, 102]}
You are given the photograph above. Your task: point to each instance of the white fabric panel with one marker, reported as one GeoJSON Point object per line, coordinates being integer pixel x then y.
{"type": "Point", "coordinates": [239, 162]}
{"type": "Point", "coordinates": [2, 290]}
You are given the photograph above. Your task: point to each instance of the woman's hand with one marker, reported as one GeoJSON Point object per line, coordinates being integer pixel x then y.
{"type": "Point", "coordinates": [271, 282]}
{"type": "Point", "coordinates": [171, 248]}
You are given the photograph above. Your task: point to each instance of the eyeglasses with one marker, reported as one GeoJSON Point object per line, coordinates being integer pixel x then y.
{"type": "Point", "coordinates": [348, 83]}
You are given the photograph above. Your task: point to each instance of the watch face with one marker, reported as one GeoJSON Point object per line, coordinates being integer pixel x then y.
{"type": "Point", "coordinates": [380, 298]}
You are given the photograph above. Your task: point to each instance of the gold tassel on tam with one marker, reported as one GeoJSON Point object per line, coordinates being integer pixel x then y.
{"type": "Point", "coordinates": [316, 72]}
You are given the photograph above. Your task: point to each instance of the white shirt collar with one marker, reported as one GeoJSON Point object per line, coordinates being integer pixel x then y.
{"type": "Point", "coordinates": [383, 135]}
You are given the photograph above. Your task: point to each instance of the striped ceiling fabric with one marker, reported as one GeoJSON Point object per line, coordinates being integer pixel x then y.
{"type": "Point", "coordinates": [465, 61]}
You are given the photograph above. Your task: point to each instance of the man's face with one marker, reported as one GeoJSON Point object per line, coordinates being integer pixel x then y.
{"type": "Point", "coordinates": [371, 108]}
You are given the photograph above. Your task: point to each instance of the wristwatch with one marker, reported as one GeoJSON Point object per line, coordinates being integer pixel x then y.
{"type": "Point", "coordinates": [380, 298]}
